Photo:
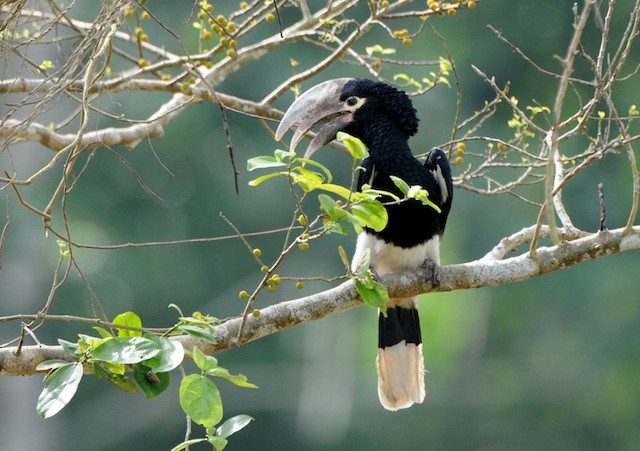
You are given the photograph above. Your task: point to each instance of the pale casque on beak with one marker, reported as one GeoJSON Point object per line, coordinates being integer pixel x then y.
{"type": "Point", "coordinates": [318, 105]}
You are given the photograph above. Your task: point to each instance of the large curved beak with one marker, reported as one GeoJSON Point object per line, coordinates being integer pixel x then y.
{"type": "Point", "coordinates": [318, 105]}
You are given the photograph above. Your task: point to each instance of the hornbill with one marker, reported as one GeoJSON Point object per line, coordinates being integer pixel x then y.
{"type": "Point", "coordinates": [384, 118]}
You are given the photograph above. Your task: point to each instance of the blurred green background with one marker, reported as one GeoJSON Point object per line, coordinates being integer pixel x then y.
{"type": "Point", "coordinates": [552, 363]}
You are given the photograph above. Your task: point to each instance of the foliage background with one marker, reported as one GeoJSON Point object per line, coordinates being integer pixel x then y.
{"type": "Point", "coordinates": [550, 363]}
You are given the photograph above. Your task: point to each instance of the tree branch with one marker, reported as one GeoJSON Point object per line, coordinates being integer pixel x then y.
{"type": "Point", "coordinates": [491, 270]}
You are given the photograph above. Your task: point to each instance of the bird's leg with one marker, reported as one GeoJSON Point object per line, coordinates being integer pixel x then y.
{"type": "Point", "coordinates": [434, 273]}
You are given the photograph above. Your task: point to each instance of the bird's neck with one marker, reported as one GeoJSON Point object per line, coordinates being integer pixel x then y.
{"type": "Point", "coordinates": [388, 148]}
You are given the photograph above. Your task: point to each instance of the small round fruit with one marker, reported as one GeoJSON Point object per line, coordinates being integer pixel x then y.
{"type": "Point", "coordinates": [256, 252]}
{"type": "Point", "coordinates": [299, 285]}
{"type": "Point", "coordinates": [256, 313]}
{"type": "Point", "coordinates": [264, 268]}
{"type": "Point", "coordinates": [271, 18]}
{"type": "Point", "coordinates": [243, 294]}
{"type": "Point", "coordinates": [304, 246]}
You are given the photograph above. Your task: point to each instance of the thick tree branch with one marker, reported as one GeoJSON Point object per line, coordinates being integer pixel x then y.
{"type": "Point", "coordinates": [485, 272]}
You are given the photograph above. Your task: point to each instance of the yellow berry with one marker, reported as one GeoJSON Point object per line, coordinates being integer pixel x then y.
{"type": "Point", "coordinates": [233, 43]}
{"type": "Point", "coordinates": [206, 35]}
{"type": "Point", "coordinates": [231, 53]}
{"type": "Point", "coordinates": [407, 41]}
{"type": "Point", "coordinates": [165, 77]}
{"type": "Point", "coordinates": [144, 37]}
{"type": "Point", "coordinates": [143, 62]}
{"type": "Point", "coordinates": [224, 42]}
{"type": "Point", "coordinates": [243, 294]}
{"type": "Point", "coordinates": [271, 288]}
{"type": "Point", "coordinates": [459, 152]}
{"type": "Point", "coordinates": [377, 64]}
{"type": "Point", "coordinates": [185, 86]}
{"type": "Point", "coordinates": [128, 11]}
{"type": "Point", "coordinates": [299, 285]}
{"type": "Point", "coordinates": [384, 4]}
{"type": "Point", "coordinates": [208, 8]}
{"type": "Point", "coordinates": [202, 15]}
{"type": "Point", "coordinates": [304, 237]}
{"type": "Point", "coordinates": [303, 220]}
{"type": "Point", "coordinates": [244, 5]}
{"type": "Point", "coordinates": [264, 268]}
{"type": "Point", "coordinates": [471, 5]}
{"type": "Point", "coordinates": [139, 31]}
{"type": "Point", "coordinates": [461, 146]}
{"type": "Point", "coordinates": [231, 26]}
{"type": "Point", "coordinates": [271, 18]}
{"type": "Point", "coordinates": [216, 28]}
{"type": "Point", "coordinates": [145, 15]}
{"type": "Point", "coordinates": [501, 146]}
{"type": "Point", "coordinates": [458, 160]}
{"type": "Point", "coordinates": [303, 246]}
{"type": "Point", "coordinates": [256, 313]}
{"type": "Point", "coordinates": [221, 20]}
{"type": "Point", "coordinates": [451, 12]}
{"type": "Point", "coordinates": [257, 252]}
{"type": "Point", "coordinates": [276, 279]}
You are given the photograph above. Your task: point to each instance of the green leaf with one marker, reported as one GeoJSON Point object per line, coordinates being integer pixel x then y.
{"type": "Point", "coordinates": [128, 319]}
{"type": "Point", "coordinates": [238, 379]}
{"type": "Point", "coordinates": [373, 293]}
{"type": "Point", "coordinates": [263, 162]}
{"type": "Point", "coordinates": [70, 348]}
{"type": "Point", "coordinates": [126, 350]}
{"type": "Point", "coordinates": [343, 257]}
{"type": "Point", "coordinates": [171, 354]}
{"type": "Point", "coordinates": [59, 389]}
{"type": "Point", "coordinates": [264, 178]}
{"type": "Point", "coordinates": [336, 189]}
{"type": "Point", "coordinates": [188, 443]}
{"type": "Point", "coordinates": [151, 382]}
{"type": "Point", "coordinates": [320, 166]}
{"type": "Point", "coordinates": [200, 332]}
{"type": "Point", "coordinates": [123, 382]}
{"type": "Point", "coordinates": [104, 333]}
{"type": "Point", "coordinates": [306, 179]}
{"type": "Point", "coordinates": [374, 215]}
{"type": "Point", "coordinates": [218, 443]}
{"type": "Point", "coordinates": [200, 399]}
{"type": "Point", "coordinates": [51, 364]}
{"type": "Point", "coordinates": [233, 425]}
{"type": "Point", "coordinates": [356, 148]}
{"type": "Point", "coordinates": [377, 48]}
{"type": "Point", "coordinates": [400, 184]}
{"type": "Point", "coordinates": [203, 361]}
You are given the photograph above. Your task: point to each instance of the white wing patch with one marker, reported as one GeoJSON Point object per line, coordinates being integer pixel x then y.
{"type": "Point", "coordinates": [444, 191]}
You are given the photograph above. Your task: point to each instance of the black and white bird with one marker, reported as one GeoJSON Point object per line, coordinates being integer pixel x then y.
{"type": "Point", "coordinates": [384, 118]}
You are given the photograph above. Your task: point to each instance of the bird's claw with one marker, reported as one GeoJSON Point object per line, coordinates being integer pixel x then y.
{"type": "Point", "coordinates": [434, 273]}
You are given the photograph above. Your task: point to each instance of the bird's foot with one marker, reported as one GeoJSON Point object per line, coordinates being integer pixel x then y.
{"type": "Point", "coordinates": [434, 273]}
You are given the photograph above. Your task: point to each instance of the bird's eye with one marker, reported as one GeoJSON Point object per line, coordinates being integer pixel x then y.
{"type": "Point", "coordinates": [352, 101]}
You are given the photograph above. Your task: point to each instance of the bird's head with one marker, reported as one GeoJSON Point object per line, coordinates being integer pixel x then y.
{"type": "Point", "coordinates": [357, 106]}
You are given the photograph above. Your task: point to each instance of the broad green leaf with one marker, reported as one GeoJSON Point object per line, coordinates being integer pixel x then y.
{"type": "Point", "coordinates": [203, 361]}
{"type": "Point", "coordinates": [377, 48]}
{"type": "Point", "coordinates": [123, 382]}
{"type": "Point", "coordinates": [355, 146]}
{"type": "Point", "coordinates": [238, 379]}
{"type": "Point", "coordinates": [51, 364]}
{"type": "Point", "coordinates": [218, 443]}
{"type": "Point", "coordinates": [374, 215]}
{"type": "Point", "coordinates": [264, 178]}
{"type": "Point", "coordinates": [171, 354]}
{"type": "Point", "coordinates": [103, 332]}
{"type": "Point", "coordinates": [363, 263]}
{"type": "Point", "coordinates": [200, 399]}
{"type": "Point", "coordinates": [336, 189]}
{"type": "Point", "coordinates": [59, 389]}
{"type": "Point", "coordinates": [70, 348]}
{"type": "Point", "coordinates": [263, 162]}
{"type": "Point", "coordinates": [373, 293]}
{"type": "Point", "coordinates": [129, 319]}
{"type": "Point", "coordinates": [308, 180]}
{"type": "Point", "coordinates": [126, 350]}
{"type": "Point", "coordinates": [282, 155]}
{"type": "Point", "coordinates": [328, 204]}
{"type": "Point", "coordinates": [151, 382]}
{"type": "Point", "coordinates": [233, 425]}
{"type": "Point", "coordinates": [188, 443]}
{"type": "Point", "coordinates": [200, 332]}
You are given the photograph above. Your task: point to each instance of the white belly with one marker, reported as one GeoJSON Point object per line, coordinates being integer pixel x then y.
{"type": "Point", "coordinates": [387, 258]}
